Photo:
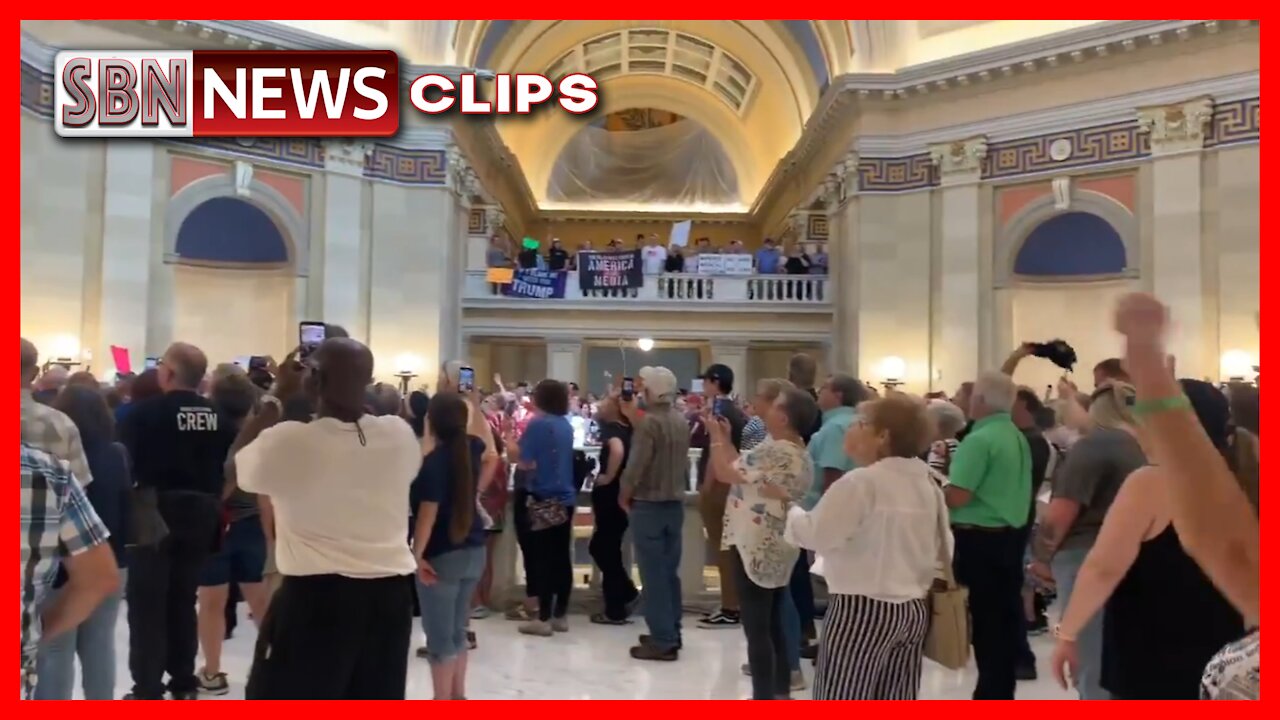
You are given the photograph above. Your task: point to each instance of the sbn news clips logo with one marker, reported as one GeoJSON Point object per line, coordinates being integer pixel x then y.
{"type": "Point", "coordinates": [215, 93]}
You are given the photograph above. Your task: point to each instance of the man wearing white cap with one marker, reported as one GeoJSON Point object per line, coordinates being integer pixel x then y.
{"type": "Point", "coordinates": [652, 490]}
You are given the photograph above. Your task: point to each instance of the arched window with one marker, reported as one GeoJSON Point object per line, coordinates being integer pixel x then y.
{"type": "Point", "coordinates": [232, 232]}
{"type": "Point", "coordinates": [1071, 245]}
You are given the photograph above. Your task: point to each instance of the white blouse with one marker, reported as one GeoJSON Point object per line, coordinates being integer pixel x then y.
{"type": "Point", "coordinates": [876, 531]}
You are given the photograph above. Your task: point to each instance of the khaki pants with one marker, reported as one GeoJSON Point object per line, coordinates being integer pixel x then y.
{"type": "Point", "coordinates": [712, 497]}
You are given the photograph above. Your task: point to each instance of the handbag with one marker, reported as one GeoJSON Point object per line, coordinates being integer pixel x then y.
{"type": "Point", "coordinates": [545, 514]}
{"type": "Point", "coordinates": [146, 526]}
{"type": "Point", "coordinates": [947, 641]}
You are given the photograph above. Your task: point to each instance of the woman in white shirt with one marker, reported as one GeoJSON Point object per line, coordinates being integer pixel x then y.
{"type": "Point", "coordinates": [877, 531]}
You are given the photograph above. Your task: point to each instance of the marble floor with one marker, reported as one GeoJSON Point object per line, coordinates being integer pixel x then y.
{"type": "Point", "coordinates": [591, 663]}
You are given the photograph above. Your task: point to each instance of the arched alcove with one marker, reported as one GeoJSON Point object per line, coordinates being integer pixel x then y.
{"type": "Point", "coordinates": [1058, 274]}
{"type": "Point", "coordinates": [235, 261]}
{"type": "Point", "coordinates": [231, 232]}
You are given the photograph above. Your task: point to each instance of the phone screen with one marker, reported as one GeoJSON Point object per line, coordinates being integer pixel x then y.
{"type": "Point", "coordinates": [628, 388]}
{"type": "Point", "coordinates": [258, 362]}
{"type": "Point", "coordinates": [466, 379]}
{"type": "Point", "coordinates": [150, 363]}
{"type": "Point", "coordinates": [717, 407]}
{"type": "Point", "coordinates": [310, 335]}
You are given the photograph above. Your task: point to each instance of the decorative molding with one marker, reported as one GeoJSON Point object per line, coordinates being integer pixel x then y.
{"type": "Point", "coordinates": [298, 152]}
{"type": "Point", "coordinates": [959, 161]}
{"type": "Point", "coordinates": [406, 166]}
{"type": "Point", "coordinates": [888, 174]}
{"type": "Point", "coordinates": [476, 222]}
{"type": "Point", "coordinates": [346, 157]}
{"type": "Point", "coordinates": [1089, 146]}
{"type": "Point", "coordinates": [1233, 122]}
{"type": "Point", "coordinates": [1177, 128]}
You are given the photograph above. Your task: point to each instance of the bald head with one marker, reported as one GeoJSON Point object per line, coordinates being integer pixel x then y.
{"type": "Point", "coordinates": [29, 363]}
{"type": "Point", "coordinates": [186, 366]}
{"type": "Point", "coordinates": [54, 378]}
{"type": "Point", "coordinates": [344, 368]}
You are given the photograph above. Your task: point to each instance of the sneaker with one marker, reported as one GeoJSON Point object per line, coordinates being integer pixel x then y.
{"type": "Point", "coordinates": [1039, 626]}
{"type": "Point", "coordinates": [536, 627]}
{"type": "Point", "coordinates": [1025, 672]}
{"type": "Point", "coordinates": [480, 612]}
{"type": "Point", "coordinates": [135, 696]}
{"type": "Point", "coordinates": [215, 684]}
{"type": "Point", "coordinates": [472, 644]}
{"type": "Point", "coordinates": [518, 612]}
{"type": "Point", "coordinates": [797, 680]}
{"type": "Point", "coordinates": [560, 624]}
{"type": "Point", "coordinates": [645, 651]}
{"type": "Point", "coordinates": [602, 619]}
{"type": "Point", "coordinates": [720, 619]}
{"type": "Point", "coordinates": [809, 652]}
{"type": "Point", "coordinates": [646, 639]}
{"type": "Point", "coordinates": [184, 694]}
{"type": "Point", "coordinates": [421, 653]}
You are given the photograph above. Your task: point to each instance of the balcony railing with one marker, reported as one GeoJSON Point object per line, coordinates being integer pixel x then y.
{"type": "Point", "coordinates": [680, 289]}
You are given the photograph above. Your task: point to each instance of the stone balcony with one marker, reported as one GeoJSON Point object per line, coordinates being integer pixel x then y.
{"type": "Point", "coordinates": [678, 292]}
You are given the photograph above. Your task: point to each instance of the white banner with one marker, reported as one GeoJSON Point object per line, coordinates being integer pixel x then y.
{"type": "Point", "coordinates": [719, 264]}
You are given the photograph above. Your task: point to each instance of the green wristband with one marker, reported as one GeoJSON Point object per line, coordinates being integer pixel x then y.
{"type": "Point", "coordinates": [1160, 405]}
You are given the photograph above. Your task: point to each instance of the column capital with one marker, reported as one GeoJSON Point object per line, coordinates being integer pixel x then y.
{"type": "Point", "coordinates": [346, 157]}
{"type": "Point", "coordinates": [959, 162]}
{"type": "Point", "coordinates": [1176, 128]}
{"type": "Point", "coordinates": [494, 218]}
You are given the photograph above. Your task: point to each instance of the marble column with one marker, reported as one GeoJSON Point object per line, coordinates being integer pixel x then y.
{"type": "Point", "coordinates": [1177, 137]}
{"type": "Point", "coordinates": [734, 356]}
{"type": "Point", "coordinates": [564, 359]}
{"type": "Point", "coordinates": [343, 291]}
{"type": "Point", "coordinates": [132, 313]}
{"type": "Point", "coordinates": [960, 170]}
{"type": "Point", "coordinates": [841, 196]}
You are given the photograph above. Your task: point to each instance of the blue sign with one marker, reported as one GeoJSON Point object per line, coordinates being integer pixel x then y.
{"type": "Point", "coordinates": [537, 284]}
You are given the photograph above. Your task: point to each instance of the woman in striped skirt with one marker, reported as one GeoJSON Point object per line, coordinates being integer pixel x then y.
{"type": "Point", "coordinates": [877, 533]}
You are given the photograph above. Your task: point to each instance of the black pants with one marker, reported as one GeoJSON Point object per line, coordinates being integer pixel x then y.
{"type": "Point", "coordinates": [521, 518]}
{"type": "Point", "coordinates": [161, 594]}
{"type": "Point", "coordinates": [329, 637]}
{"type": "Point", "coordinates": [606, 549]}
{"type": "Point", "coordinates": [989, 563]}
{"type": "Point", "coordinates": [766, 643]}
{"type": "Point", "coordinates": [549, 569]}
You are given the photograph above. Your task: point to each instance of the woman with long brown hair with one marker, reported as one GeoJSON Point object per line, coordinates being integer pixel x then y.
{"type": "Point", "coordinates": [448, 541]}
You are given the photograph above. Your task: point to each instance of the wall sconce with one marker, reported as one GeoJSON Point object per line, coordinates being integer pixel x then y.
{"type": "Point", "coordinates": [892, 370]}
{"type": "Point", "coordinates": [409, 365]}
{"type": "Point", "coordinates": [645, 344]}
{"type": "Point", "coordinates": [1238, 366]}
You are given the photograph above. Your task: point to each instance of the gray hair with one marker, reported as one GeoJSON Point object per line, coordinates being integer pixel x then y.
{"type": "Point", "coordinates": [996, 390]}
{"type": "Point", "coordinates": [659, 381]}
{"type": "Point", "coordinates": [947, 417]}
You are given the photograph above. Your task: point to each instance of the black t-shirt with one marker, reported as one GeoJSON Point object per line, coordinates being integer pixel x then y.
{"type": "Point", "coordinates": [674, 263]}
{"type": "Point", "coordinates": [622, 432]}
{"type": "Point", "coordinates": [702, 440]}
{"type": "Point", "coordinates": [797, 265]}
{"type": "Point", "coordinates": [434, 484]}
{"type": "Point", "coordinates": [1039, 463]}
{"type": "Point", "coordinates": [528, 259]}
{"type": "Point", "coordinates": [557, 258]}
{"type": "Point", "coordinates": [178, 441]}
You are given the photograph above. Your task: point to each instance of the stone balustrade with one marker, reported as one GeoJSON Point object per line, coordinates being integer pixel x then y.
{"type": "Point", "coordinates": [765, 292]}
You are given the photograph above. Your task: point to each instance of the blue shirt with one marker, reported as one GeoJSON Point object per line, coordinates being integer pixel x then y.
{"type": "Point", "coordinates": [826, 449]}
{"type": "Point", "coordinates": [767, 260]}
{"type": "Point", "coordinates": [434, 484]}
{"type": "Point", "coordinates": [548, 443]}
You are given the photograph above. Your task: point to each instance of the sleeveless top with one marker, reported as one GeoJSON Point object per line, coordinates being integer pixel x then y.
{"type": "Point", "coordinates": [1162, 624]}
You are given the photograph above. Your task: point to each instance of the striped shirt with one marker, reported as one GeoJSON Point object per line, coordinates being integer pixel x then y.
{"type": "Point", "coordinates": [55, 520]}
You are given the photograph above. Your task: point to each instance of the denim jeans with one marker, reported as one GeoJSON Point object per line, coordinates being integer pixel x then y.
{"type": "Point", "coordinates": [656, 534]}
{"type": "Point", "coordinates": [446, 603]}
{"type": "Point", "coordinates": [1066, 565]}
{"type": "Point", "coordinates": [791, 630]}
{"type": "Point", "coordinates": [94, 642]}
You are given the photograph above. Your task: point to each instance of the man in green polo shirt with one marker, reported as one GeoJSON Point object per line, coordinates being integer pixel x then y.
{"type": "Point", "coordinates": [989, 493]}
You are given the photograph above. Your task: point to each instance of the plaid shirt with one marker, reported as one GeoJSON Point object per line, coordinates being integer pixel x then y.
{"type": "Point", "coordinates": [51, 431]}
{"type": "Point", "coordinates": [55, 520]}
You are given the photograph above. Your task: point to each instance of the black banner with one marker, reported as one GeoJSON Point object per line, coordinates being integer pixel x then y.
{"type": "Point", "coordinates": [610, 270]}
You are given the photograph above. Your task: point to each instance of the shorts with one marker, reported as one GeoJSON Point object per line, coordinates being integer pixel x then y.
{"type": "Point", "coordinates": [242, 558]}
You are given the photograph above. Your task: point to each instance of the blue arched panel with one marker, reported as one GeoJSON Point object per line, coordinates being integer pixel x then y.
{"type": "Point", "coordinates": [493, 34]}
{"type": "Point", "coordinates": [231, 231]}
{"type": "Point", "coordinates": [807, 38]}
{"type": "Point", "coordinates": [1073, 243]}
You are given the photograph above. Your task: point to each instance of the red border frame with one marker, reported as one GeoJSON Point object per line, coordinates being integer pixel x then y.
{"type": "Point", "coordinates": [584, 10]}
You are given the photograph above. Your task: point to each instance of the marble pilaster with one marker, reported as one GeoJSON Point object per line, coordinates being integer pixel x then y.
{"type": "Point", "coordinates": [343, 291]}
{"type": "Point", "coordinates": [959, 164]}
{"type": "Point", "coordinates": [564, 359]}
{"type": "Point", "coordinates": [734, 356]}
{"type": "Point", "coordinates": [842, 204]}
{"type": "Point", "coordinates": [1177, 136]}
{"type": "Point", "coordinates": [136, 308]}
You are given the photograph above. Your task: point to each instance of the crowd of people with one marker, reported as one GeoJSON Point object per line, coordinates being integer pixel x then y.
{"type": "Point", "coordinates": [1133, 509]}
{"type": "Point", "coordinates": [772, 258]}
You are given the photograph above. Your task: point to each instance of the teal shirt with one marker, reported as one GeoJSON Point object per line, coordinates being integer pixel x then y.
{"type": "Point", "coordinates": [826, 449]}
{"type": "Point", "coordinates": [994, 463]}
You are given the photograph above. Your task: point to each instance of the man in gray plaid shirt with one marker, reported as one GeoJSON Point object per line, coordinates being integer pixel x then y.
{"type": "Point", "coordinates": [46, 428]}
{"type": "Point", "coordinates": [59, 528]}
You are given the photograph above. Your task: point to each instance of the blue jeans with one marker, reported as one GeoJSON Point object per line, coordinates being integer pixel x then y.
{"type": "Point", "coordinates": [446, 603]}
{"type": "Point", "coordinates": [791, 629]}
{"type": "Point", "coordinates": [1066, 565]}
{"type": "Point", "coordinates": [656, 535]}
{"type": "Point", "coordinates": [94, 642]}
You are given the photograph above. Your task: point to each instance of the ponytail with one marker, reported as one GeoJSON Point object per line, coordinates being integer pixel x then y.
{"type": "Point", "coordinates": [463, 484]}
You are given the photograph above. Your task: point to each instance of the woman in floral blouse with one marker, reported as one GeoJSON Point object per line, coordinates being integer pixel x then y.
{"type": "Point", "coordinates": [765, 480]}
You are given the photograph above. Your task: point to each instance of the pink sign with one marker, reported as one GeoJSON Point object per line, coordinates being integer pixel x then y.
{"type": "Point", "coordinates": [121, 357]}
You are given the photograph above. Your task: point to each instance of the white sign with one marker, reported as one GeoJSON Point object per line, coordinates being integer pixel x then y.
{"type": "Point", "coordinates": [721, 264]}
{"type": "Point", "coordinates": [680, 233]}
